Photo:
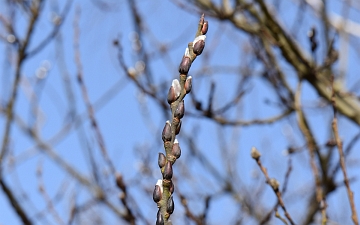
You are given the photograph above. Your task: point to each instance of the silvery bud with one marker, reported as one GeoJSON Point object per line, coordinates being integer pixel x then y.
{"type": "Point", "coordinates": [180, 110]}
{"type": "Point", "coordinates": [255, 154]}
{"type": "Point", "coordinates": [157, 194]}
{"type": "Point", "coordinates": [170, 205]}
{"type": "Point", "coordinates": [178, 128]}
{"type": "Point", "coordinates": [166, 133]}
{"type": "Point", "coordinates": [274, 184]}
{"type": "Point", "coordinates": [160, 184]}
{"type": "Point", "coordinates": [161, 160]}
{"type": "Point", "coordinates": [185, 63]}
{"type": "Point", "coordinates": [177, 87]}
{"type": "Point", "coordinates": [205, 27]}
{"type": "Point", "coordinates": [176, 150]}
{"type": "Point", "coordinates": [159, 218]}
{"type": "Point", "coordinates": [199, 44]}
{"type": "Point", "coordinates": [168, 171]}
{"type": "Point", "coordinates": [188, 84]}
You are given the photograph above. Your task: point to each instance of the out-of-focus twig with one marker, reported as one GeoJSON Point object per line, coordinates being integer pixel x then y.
{"type": "Point", "coordinates": [350, 193]}
{"type": "Point", "coordinates": [15, 203]}
{"type": "Point", "coordinates": [273, 183]}
{"type": "Point", "coordinates": [312, 146]}
{"type": "Point", "coordinates": [21, 56]}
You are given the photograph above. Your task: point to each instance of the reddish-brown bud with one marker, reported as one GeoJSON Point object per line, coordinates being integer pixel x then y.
{"type": "Point", "coordinates": [171, 95]}
{"type": "Point", "coordinates": [178, 128]}
{"type": "Point", "coordinates": [180, 110]}
{"type": "Point", "coordinates": [185, 65]}
{"type": "Point", "coordinates": [188, 84]}
{"type": "Point", "coordinates": [159, 218]}
{"type": "Point", "coordinates": [199, 44]}
{"type": "Point", "coordinates": [205, 27]}
{"type": "Point", "coordinates": [166, 133]}
{"type": "Point", "coordinates": [199, 47]}
{"type": "Point", "coordinates": [176, 150]}
{"type": "Point", "coordinates": [161, 160]}
{"type": "Point", "coordinates": [168, 171]}
{"type": "Point", "coordinates": [157, 194]}
{"type": "Point", "coordinates": [170, 205]}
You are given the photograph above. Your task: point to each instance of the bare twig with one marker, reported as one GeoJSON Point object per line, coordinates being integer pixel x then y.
{"type": "Point", "coordinates": [350, 193]}
{"type": "Point", "coordinates": [273, 183]}
{"type": "Point", "coordinates": [21, 56]}
{"type": "Point", "coordinates": [15, 204]}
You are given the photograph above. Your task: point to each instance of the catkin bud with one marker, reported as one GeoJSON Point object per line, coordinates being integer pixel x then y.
{"type": "Point", "coordinates": [166, 133]}
{"type": "Point", "coordinates": [170, 205]}
{"type": "Point", "coordinates": [199, 44]}
{"type": "Point", "coordinates": [188, 84]}
{"type": "Point", "coordinates": [178, 128]}
{"type": "Point", "coordinates": [205, 27]}
{"type": "Point", "coordinates": [255, 154]}
{"type": "Point", "coordinates": [199, 47]}
{"type": "Point", "coordinates": [177, 87]}
{"type": "Point", "coordinates": [171, 95]}
{"type": "Point", "coordinates": [168, 171]}
{"type": "Point", "coordinates": [274, 184]}
{"type": "Point", "coordinates": [157, 194]}
{"type": "Point", "coordinates": [180, 110]}
{"type": "Point", "coordinates": [161, 160]}
{"type": "Point", "coordinates": [185, 63]}
{"type": "Point", "coordinates": [176, 150]}
{"type": "Point", "coordinates": [159, 218]}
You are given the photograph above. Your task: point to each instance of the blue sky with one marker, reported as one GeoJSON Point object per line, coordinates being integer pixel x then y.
{"type": "Point", "coordinates": [131, 122]}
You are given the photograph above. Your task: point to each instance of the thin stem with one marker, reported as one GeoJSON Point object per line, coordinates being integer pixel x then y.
{"type": "Point", "coordinates": [339, 144]}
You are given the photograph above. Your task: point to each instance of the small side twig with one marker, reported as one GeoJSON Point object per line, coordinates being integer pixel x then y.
{"type": "Point", "coordinates": [15, 203]}
{"type": "Point", "coordinates": [313, 149]}
{"type": "Point", "coordinates": [89, 106]}
{"type": "Point", "coordinates": [274, 184]}
{"type": "Point", "coordinates": [350, 193]}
